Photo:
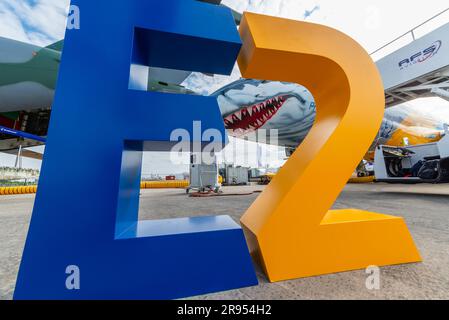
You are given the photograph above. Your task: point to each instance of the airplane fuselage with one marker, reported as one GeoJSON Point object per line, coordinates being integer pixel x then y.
{"type": "Point", "coordinates": [28, 76]}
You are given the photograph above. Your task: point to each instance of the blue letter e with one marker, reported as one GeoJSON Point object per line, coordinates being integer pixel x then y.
{"type": "Point", "coordinates": [86, 210]}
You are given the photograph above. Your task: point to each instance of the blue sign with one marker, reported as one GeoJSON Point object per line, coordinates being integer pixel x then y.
{"type": "Point", "coordinates": [86, 242]}
{"type": "Point", "coordinates": [21, 134]}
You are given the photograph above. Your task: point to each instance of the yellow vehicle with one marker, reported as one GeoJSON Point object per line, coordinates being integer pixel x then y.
{"type": "Point", "coordinates": [266, 178]}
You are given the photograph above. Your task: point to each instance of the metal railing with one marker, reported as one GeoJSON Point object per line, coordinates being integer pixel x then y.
{"type": "Point", "coordinates": [411, 32]}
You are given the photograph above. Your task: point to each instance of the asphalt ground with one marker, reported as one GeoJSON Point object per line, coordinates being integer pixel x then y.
{"type": "Point", "coordinates": [424, 207]}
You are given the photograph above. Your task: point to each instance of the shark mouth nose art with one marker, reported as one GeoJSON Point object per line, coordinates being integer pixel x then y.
{"type": "Point", "coordinates": [253, 117]}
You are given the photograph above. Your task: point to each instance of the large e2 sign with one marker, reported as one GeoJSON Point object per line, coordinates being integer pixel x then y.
{"type": "Point", "coordinates": [85, 241]}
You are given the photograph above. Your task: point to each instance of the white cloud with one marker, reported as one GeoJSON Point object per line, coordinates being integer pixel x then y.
{"type": "Point", "coordinates": [11, 26]}
{"type": "Point", "coordinates": [40, 22]}
{"type": "Point", "coordinates": [372, 23]}
{"type": "Point", "coordinates": [291, 9]}
{"type": "Point", "coordinates": [434, 107]}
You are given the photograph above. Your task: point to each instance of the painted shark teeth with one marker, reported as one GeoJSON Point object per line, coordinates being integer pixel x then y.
{"type": "Point", "coordinates": [253, 117]}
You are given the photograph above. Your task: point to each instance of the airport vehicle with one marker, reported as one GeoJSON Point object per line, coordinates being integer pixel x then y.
{"type": "Point", "coordinates": [203, 177]}
{"type": "Point", "coordinates": [427, 163]}
{"type": "Point", "coordinates": [234, 175]}
{"type": "Point", "coordinates": [266, 178]}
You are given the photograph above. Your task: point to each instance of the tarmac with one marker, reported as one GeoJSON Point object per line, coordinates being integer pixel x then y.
{"type": "Point", "coordinates": [424, 207]}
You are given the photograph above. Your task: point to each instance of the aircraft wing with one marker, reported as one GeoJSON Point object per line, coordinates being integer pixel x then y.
{"type": "Point", "coordinates": [26, 153]}
{"type": "Point", "coordinates": [57, 46]}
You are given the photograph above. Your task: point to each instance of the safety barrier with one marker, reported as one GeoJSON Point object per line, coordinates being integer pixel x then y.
{"type": "Point", "coordinates": [179, 184]}
{"type": "Point", "coordinates": [356, 180]}
{"type": "Point", "coordinates": [411, 35]}
{"type": "Point", "coordinates": [17, 190]}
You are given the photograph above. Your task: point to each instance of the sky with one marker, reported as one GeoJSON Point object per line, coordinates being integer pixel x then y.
{"type": "Point", "coordinates": [39, 22]}
{"type": "Point", "coordinates": [371, 23]}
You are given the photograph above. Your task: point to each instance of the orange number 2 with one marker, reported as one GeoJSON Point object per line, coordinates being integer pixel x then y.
{"type": "Point", "coordinates": [289, 227]}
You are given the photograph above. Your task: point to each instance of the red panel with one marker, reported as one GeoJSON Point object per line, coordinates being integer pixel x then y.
{"type": "Point", "coordinates": [6, 122]}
